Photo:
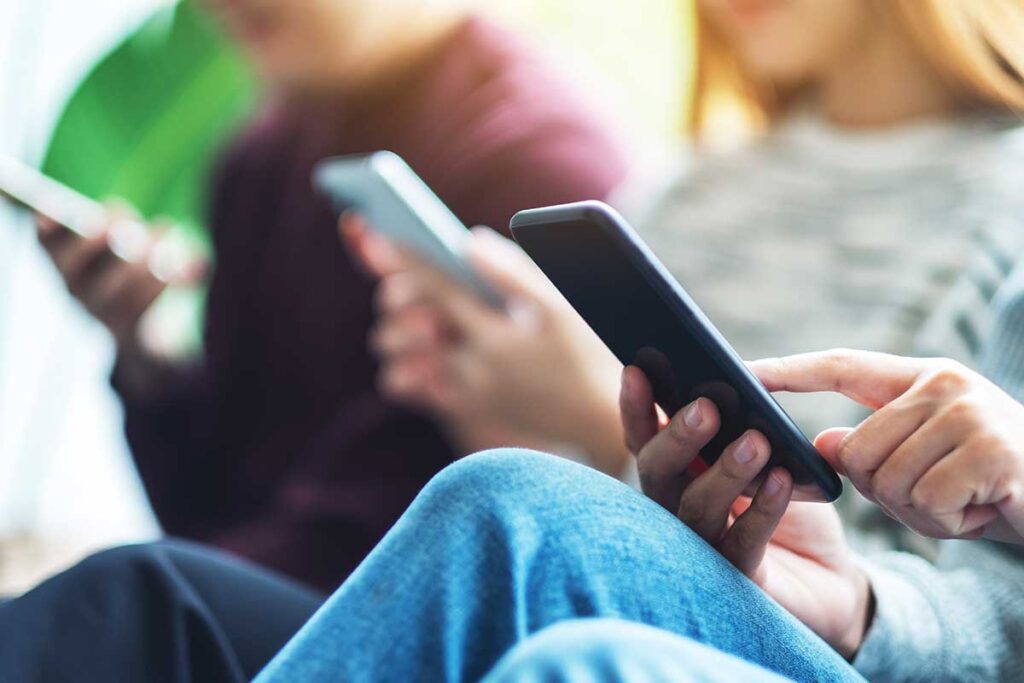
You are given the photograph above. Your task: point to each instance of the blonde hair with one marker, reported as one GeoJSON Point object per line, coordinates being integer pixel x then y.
{"type": "Point", "coordinates": [976, 46]}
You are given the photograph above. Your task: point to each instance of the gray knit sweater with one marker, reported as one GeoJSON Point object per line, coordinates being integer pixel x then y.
{"type": "Point", "coordinates": [962, 617]}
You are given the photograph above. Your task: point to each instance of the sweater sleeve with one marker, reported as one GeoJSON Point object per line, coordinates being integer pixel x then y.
{"type": "Point", "coordinates": [959, 619]}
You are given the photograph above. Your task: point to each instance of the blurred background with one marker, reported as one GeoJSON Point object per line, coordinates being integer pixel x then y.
{"type": "Point", "coordinates": [70, 102]}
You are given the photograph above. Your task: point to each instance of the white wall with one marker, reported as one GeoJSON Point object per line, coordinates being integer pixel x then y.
{"type": "Point", "coordinates": [66, 483]}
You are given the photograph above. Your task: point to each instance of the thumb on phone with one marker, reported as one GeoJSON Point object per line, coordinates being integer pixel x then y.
{"type": "Point", "coordinates": [374, 253]}
{"type": "Point", "coordinates": [828, 444]}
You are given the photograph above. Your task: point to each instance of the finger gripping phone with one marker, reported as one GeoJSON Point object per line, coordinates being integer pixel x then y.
{"type": "Point", "coordinates": [644, 316]}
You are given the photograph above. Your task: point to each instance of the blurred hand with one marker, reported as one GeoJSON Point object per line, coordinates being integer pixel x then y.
{"type": "Point", "coordinates": [795, 552]}
{"type": "Point", "coordinates": [944, 450]}
{"type": "Point", "coordinates": [115, 290]}
{"type": "Point", "coordinates": [531, 375]}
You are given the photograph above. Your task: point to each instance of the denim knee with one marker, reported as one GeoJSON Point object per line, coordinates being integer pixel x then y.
{"type": "Point", "coordinates": [514, 479]}
{"type": "Point", "coordinates": [498, 472]}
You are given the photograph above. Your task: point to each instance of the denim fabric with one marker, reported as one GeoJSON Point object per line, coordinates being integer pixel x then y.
{"type": "Point", "coordinates": [504, 544]}
{"type": "Point", "coordinates": [614, 651]}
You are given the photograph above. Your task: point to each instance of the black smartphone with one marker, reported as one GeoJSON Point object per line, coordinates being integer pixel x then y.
{"type": "Point", "coordinates": [644, 316]}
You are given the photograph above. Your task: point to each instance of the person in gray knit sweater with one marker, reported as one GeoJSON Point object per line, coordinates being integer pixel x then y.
{"type": "Point", "coordinates": [603, 585]}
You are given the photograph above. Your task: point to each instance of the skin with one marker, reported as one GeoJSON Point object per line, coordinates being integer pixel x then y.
{"type": "Point", "coordinates": [795, 552]}
{"type": "Point", "coordinates": [117, 291]}
{"type": "Point", "coordinates": [322, 48]}
{"type": "Point", "coordinates": [428, 353]}
{"type": "Point", "coordinates": [943, 452]}
{"type": "Point", "coordinates": [849, 55]}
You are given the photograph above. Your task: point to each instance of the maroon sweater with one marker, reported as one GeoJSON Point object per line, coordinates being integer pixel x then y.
{"type": "Point", "coordinates": [277, 445]}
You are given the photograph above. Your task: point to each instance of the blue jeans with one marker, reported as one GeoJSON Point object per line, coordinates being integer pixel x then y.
{"type": "Point", "coordinates": [502, 545]}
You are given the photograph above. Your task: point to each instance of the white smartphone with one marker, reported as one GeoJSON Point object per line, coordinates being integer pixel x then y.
{"type": "Point", "coordinates": [27, 188]}
{"type": "Point", "coordinates": [398, 205]}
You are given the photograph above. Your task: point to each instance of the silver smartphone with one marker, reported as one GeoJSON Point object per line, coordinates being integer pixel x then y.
{"type": "Point", "coordinates": [398, 205]}
{"type": "Point", "coordinates": [27, 188]}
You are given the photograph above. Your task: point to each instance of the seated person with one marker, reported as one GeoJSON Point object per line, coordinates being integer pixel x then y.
{"type": "Point", "coordinates": [877, 206]}
{"type": "Point", "coordinates": [520, 566]}
{"type": "Point", "coordinates": [276, 444]}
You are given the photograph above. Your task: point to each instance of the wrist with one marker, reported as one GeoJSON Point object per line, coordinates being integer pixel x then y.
{"type": "Point", "coordinates": [849, 644]}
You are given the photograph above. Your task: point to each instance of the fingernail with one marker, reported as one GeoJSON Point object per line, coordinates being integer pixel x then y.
{"type": "Point", "coordinates": [746, 451]}
{"type": "Point", "coordinates": [692, 415]}
{"type": "Point", "coordinates": [772, 485]}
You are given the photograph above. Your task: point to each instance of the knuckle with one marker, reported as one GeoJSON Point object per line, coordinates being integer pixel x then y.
{"type": "Point", "coordinates": [948, 378]}
{"type": "Point", "coordinates": [732, 470]}
{"type": "Point", "coordinates": [847, 453]}
{"type": "Point", "coordinates": [679, 432]}
{"type": "Point", "coordinates": [741, 540]}
{"type": "Point", "coordinates": [691, 510]}
{"type": "Point", "coordinates": [840, 362]}
{"type": "Point", "coordinates": [925, 498]}
{"type": "Point", "coordinates": [965, 411]}
{"type": "Point", "coordinates": [727, 468]}
{"type": "Point", "coordinates": [888, 492]}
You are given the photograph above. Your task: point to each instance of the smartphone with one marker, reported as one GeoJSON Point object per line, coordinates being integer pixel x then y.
{"type": "Point", "coordinates": [398, 205]}
{"type": "Point", "coordinates": [27, 188]}
{"type": "Point", "coordinates": [644, 316]}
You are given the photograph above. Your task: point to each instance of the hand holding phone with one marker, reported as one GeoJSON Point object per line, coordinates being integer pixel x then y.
{"type": "Point", "coordinates": [796, 552]}
{"type": "Point", "coordinates": [114, 290]}
{"type": "Point", "coordinates": [110, 261]}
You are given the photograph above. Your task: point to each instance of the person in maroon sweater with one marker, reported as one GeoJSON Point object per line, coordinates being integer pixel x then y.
{"type": "Point", "coordinates": [275, 444]}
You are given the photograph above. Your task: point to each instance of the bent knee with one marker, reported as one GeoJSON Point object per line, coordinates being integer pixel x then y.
{"type": "Point", "coordinates": [120, 563]}
{"type": "Point", "coordinates": [117, 561]}
{"type": "Point", "coordinates": [490, 471]}
{"type": "Point", "coordinates": [509, 476]}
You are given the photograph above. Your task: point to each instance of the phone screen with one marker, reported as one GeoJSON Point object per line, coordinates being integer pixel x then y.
{"type": "Point", "coordinates": [616, 297]}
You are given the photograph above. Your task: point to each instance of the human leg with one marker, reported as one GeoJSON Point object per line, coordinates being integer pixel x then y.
{"type": "Point", "coordinates": [165, 611]}
{"type": "Point", "coordinates": [504, 544]}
